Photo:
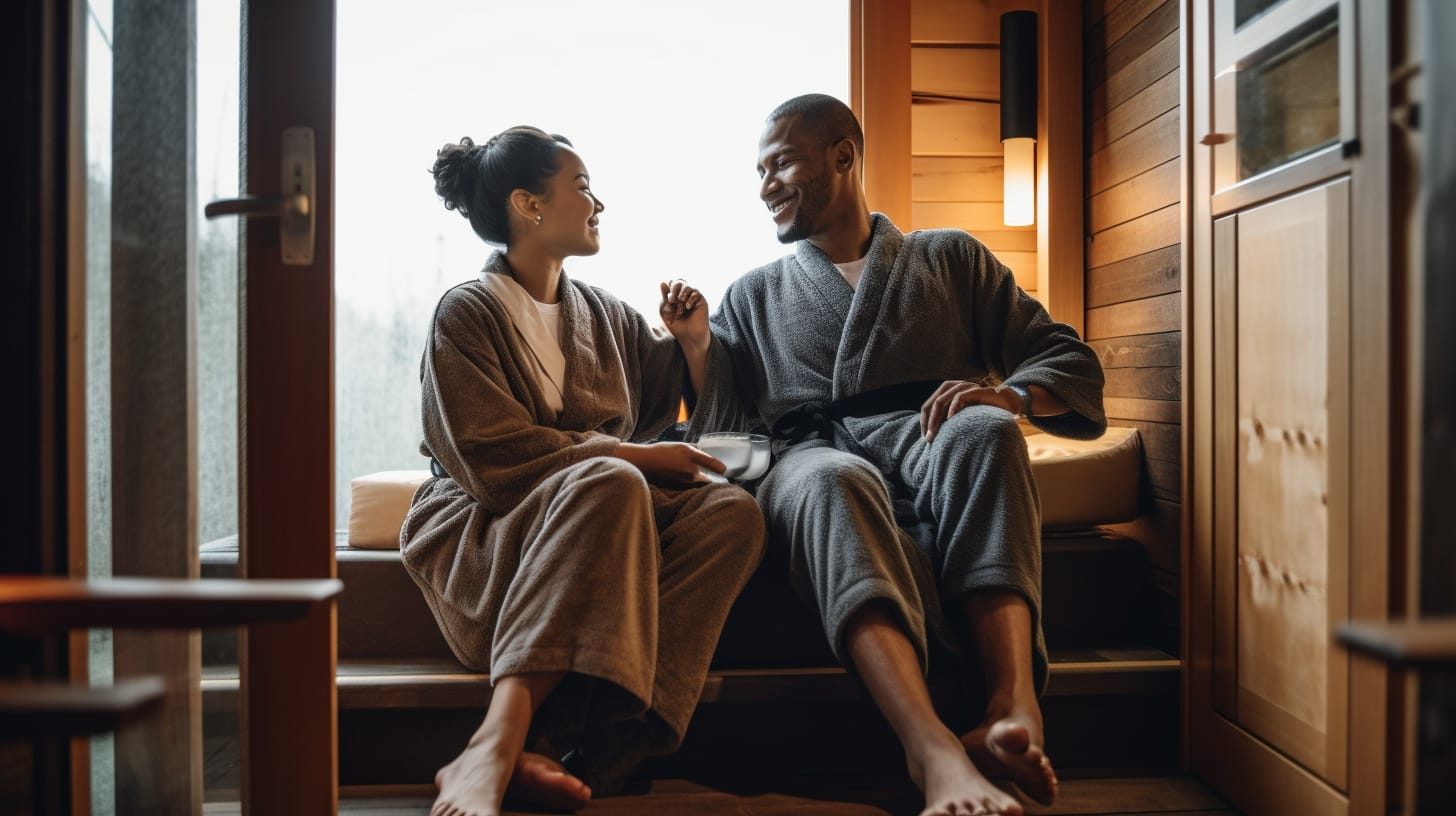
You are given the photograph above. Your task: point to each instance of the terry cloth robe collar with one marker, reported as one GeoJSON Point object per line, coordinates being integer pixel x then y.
{"type": "Point", "coordinates": [549, 361]}
{"type": "Point", "coordinates": [856, 309]}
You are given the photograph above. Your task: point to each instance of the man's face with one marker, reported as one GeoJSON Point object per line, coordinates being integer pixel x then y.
{"type": "Point", "coordinates": [795, 178]}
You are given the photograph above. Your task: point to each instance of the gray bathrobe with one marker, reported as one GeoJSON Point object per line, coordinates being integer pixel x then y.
{"type": "Point", "coordinates": [933, 305]}
{"type": "Point", "coordinates": [541, 552]}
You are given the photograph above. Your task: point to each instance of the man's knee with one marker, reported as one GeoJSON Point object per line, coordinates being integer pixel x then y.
{"type": "Point", "coordinates": [819, 476]}
{"type": "Point", "coordinates": [979, 433]}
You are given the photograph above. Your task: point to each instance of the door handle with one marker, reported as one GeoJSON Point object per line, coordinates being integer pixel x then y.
{"type": "Point", "coordinates": [294, 208]}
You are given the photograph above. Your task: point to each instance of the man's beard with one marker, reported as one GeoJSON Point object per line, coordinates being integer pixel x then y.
{"type": "Point", "coordinates": [813, 199]}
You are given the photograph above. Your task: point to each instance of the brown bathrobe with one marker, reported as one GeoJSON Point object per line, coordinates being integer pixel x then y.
{"type": "Point", "coordinates": [541, 551]}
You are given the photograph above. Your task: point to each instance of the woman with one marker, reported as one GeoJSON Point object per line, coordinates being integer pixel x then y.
{"type": "Point", "coordinates": [587, 572]}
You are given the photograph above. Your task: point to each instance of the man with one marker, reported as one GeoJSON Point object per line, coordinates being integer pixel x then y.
{"type": "Point", "coordinates": [902, 487]}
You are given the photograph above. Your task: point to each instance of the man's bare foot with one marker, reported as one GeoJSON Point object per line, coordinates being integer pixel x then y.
{"type": "Point", "coordinates": [953, 786]}
{"type": "Point", "coordinates": [475, 783]}
{"type": "Point", "coordinates": [1006, 748]}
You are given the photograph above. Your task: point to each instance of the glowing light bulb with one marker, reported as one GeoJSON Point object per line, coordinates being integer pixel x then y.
{"type": "Point", "coordinates": [1019, 186]}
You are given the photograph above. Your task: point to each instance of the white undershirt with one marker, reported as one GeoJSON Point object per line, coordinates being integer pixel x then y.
{"type": "Point", "coordinates": [551, 316]}
{"type": "Point", "coordinates": [851, 271]}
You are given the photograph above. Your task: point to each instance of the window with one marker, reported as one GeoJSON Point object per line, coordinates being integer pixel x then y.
{"type": "Point", "coordinates": [664, 101]}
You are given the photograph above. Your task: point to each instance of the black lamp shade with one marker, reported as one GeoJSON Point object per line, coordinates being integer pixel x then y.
{"type": "Point", "coordinates": [1018, 75]}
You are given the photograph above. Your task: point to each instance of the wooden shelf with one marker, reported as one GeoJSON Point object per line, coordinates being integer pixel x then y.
{"type": "Point", "coordinates": [36, 605]}
{"type": "Point", "coordinates": [59, 710]}
{"type": "Point", "coordinates": [1426, 642]}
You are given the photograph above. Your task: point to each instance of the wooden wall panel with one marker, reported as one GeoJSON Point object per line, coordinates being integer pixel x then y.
{"type": "Point", "coordinates": [1139, 74]}
{"type": "Point", "coordinates": [955, 129]}
{"type": "Point", "coordinates": [1139, 151]}
{"type": "Point", "coordinates": [946, 178]}
{"type": "Point", "coordinates": [1152, 273]}
{"type": "Point", "coordinates": [1147, 105]}
{"type": "Point", "coordinates": [962, 21]}
{"type": "Point", "coordinates": [971, 216]}
{"type": "Point", "coordinates": [973, 72]}
{"type": "Point", "coordinates": [1142, 234]}
{"type": "Point", "coordinates": [1134, 227]}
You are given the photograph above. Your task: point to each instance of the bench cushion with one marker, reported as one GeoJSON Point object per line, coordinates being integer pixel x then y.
{"type": "Point", "coordinates": [1082, 484]}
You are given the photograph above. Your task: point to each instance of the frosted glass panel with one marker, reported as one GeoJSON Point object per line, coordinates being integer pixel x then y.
{"type": "Point", "coordinates": [1289, 105]}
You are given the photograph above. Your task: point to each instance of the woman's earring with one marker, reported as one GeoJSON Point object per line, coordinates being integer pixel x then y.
{"type": "Point", "coordinates": [538, 219]}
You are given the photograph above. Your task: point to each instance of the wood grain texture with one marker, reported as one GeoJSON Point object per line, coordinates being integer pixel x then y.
{"type": "Point", "coordinates": [884, 78]}
{"type": "Point", "coordinates": [1060, 203]}
{"type": "Point", "coordinates": [1144, 193]}
{"type": "Point", "coordinates": [961, 21]}
{"type": "Point", "coordinates": [1158, 530]}
{"type": "Point", "coordinates": [1141, 276]}
{"type": "Point", "coordinates": [1158, 229]}
{"type": "Point", "coordinates": [1137, 152]}
{"type": "Point", "coordinates": [1143, 383]}
{"type": "Point", "coordinates": [955, 129]}
{"type": "Point", "coordinates": [1010, 240]}
{"type": "Point", "coordinates": [1160, 20]}
{"type": "Point", "coordinates": [1161, 440]}
{"type": "Point", "coordinates": [945, 178]}
{"type": "Point", "coordinates": [1104, 34]}
{"type": "Point", "coordinates": [1139, 350]}
{"type": "Point", "coordinates": [1285, 665]}
{"type": "Point", "coordinates": [1151, 410]}
{"type": "Point", "coordinates": [1137, 75]}
{"type": "Point", "coordinates": [973, 217]}
{"type": "Point", "coordinates": [1147, 316]}
{"type": "Point", "coordinates": [1145, 106]}
{"type": "Point", "coordinates": [970, 71]}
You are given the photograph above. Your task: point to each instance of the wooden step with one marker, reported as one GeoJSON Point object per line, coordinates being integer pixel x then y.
{"type": "Point", "coordinates": [37, 709]}
{"type": "Point", "coordinates": [398, 721]}
{"type": "Point", "coordinates": [1097, 590]}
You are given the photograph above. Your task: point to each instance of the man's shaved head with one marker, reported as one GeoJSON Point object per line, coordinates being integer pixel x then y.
{"type": "Point", "coordinates": [827, 117]}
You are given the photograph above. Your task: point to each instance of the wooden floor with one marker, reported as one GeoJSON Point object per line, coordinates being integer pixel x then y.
{"type": "Point", "coordinates": [865, 797]}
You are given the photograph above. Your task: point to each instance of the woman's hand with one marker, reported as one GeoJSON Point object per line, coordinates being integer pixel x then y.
{"type": "Point", "coordinates": [673, 463]}
{"type": "Point", "coordinates": [685, 313]}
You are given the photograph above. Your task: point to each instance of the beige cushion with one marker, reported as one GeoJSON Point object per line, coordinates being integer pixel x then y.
{"type": "Point", "coordinates": [1081, 484]}
{"type": "Point", "coordinates": [1085, 483]}
{"type": "Point", "coordinates": [377, 504]}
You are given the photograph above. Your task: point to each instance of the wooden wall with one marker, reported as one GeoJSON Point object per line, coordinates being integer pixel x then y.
{"type": "Point", "coordinates": [955, 137]}
{"type": "Point", "coordinates": [1133, 285]}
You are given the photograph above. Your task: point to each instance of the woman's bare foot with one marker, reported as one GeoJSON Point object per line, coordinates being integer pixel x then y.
{"type": "Point", "coordinates": [474, 783]}
{"type": "Point", "coordinates": [953, 786]}
{"type": "Point", "coordinates": [1010, 746]}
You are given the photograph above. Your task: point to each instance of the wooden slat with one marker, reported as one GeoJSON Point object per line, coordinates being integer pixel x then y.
{"type": "Point", "coordinates": [1141, 276]}
{"type": "Point", "coordinates": [1139, 350]}
{"type": "Point", "coordinates": [1150, 410]}
{"type": "Point", "coordinates": [1143, 383]}
{"type": "Point", "coordinates": [947, 178]}
{"type": "Point", "coordinates": [1096, 10]}
{"type": "Point", "coordinates": [1139, 236]}
{"type": "Point", "coordinates": [1155, 314]}
{"type": "Point", "coordinates": [955, 129]}
{"type": "Point", "coordinates": [52, 710]}
{"type": "Point", "coordinates": [1023, 264]}
{"type": "Point", "coordinates": [959, 21]}
{"type": "Point", "coordinates": [1060, 205]}
{"type": "Point", "coordinates": [973, 217]}
{"type": "Point", "coordinates": [1160, 19]}
{"type": "Point", "coordinates": [1147, 105]}
{"type": "Point", "coordinates": [1166, 479]}
{"type": "Point", "coordinates": [1161, 440]}
{"type": "Point", "coordinates": [1137, 152]}
{"type": "Point", "coordinates": [1139, 74]}
{"type": "Point", "coordinates": [1139, 195]}
{"type": "Point", "coordinates": [999, 241]}
{"type": "Point", "coordinates": [970, 71]}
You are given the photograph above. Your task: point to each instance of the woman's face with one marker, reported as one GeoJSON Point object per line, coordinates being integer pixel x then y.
{"type": "Point", "coordinates": [569, 210]}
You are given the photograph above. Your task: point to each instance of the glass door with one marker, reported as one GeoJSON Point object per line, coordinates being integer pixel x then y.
{"type": "Point", "coordinates": [208, 388]}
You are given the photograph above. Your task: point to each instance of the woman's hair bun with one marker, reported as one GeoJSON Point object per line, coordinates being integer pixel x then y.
{"type": "Point", "coordinates": [456, 173]}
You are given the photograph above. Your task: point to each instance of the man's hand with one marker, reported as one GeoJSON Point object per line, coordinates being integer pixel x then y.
{"type": "Point", "coordinates": [673, 463]}
{"type": "Point", "coordinates": [953, 395]}
{"type": "Point", "coordinates": [685, 313]}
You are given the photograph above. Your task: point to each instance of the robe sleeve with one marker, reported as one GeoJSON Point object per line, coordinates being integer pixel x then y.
{"type": "Point", "coordinates": [664, 376]}
{"type": "Point", "coordinates": [728, 378]}
{"type": "Point", "coordinates": [1024, 346]}
{"type": "Point", "coordinates": [478, 429]}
